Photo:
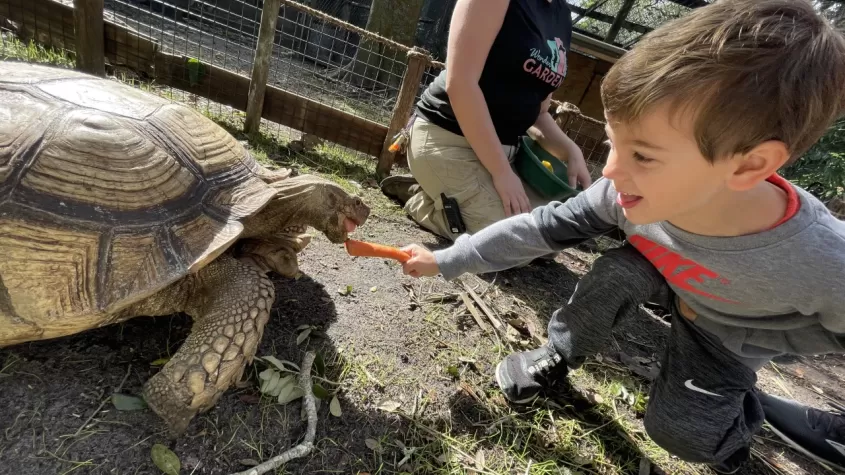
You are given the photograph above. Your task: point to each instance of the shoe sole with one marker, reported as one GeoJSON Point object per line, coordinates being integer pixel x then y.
{"type": "Point", "coordinates": [804, 451]}
{"type": "Point", "coordinates": [501, 386]}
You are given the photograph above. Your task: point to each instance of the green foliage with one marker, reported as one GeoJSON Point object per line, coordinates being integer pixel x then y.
{"type": "Point", "coordinates": [821, 170]}
{"type": "Point", "coordinates": [13, 49]}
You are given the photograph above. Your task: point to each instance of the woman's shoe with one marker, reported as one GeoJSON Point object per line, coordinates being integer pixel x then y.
{"type": "Point", "coordinates": [400, 187]}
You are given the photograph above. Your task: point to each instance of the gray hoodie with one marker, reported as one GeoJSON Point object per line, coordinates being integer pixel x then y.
{"type": "Point", "coordinates": [774, 292]}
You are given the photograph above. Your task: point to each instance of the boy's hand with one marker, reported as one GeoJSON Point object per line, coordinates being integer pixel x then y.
{"type": "Point", "coordinates": [422, 262]}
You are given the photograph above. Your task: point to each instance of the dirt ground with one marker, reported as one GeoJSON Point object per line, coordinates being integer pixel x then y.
{"type": "Point", "coordinates": [393, 339]}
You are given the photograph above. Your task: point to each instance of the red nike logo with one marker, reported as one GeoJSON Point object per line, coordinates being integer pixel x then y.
{"type": "Point", "coordinates": [677, 270]}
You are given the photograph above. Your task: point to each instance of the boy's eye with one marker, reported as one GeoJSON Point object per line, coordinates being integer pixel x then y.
{"type": "Point", "coordinates": [642, 159]}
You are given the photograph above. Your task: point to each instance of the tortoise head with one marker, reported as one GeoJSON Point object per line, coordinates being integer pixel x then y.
{"type": "Point", "coordinates": [321, 204]}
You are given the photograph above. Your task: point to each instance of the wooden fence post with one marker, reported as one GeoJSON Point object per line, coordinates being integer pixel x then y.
{"type": "Point", "coordinates": [417, 62]}
{"type": "Point", "coordinates": [261, 65]}
{"type": "Point", "coordinates": [90, 48]}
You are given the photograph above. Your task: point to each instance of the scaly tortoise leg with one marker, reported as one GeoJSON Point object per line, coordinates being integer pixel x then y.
{"type": "Point", "coordinates": [230, 303]}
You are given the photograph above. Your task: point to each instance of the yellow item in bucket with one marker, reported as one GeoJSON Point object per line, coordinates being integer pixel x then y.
{"type": "Point", "coordinates": [548, 165]}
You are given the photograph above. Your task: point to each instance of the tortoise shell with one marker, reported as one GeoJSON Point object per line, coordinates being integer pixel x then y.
{"type": "Point", "coordinates": [109, 193]}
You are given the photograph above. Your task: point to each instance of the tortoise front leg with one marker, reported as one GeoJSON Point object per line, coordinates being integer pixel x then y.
{"type": "Point", "coordinates": [230, 303]}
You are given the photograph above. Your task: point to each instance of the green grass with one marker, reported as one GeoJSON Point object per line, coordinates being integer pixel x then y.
{"type": "Point", "coordinates": [13, 49]}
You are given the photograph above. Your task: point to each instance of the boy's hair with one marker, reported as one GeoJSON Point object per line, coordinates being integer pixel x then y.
{"type": "Point", "coordinates": [751, 70]}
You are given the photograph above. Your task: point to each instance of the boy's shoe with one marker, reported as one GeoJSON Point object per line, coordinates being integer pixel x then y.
{"type": "Point", "coordinates": [817, 434]}
{"type": "Point", "coordinates": [400, 187]}
{"type": "Point", "coordinates": [522, 376]}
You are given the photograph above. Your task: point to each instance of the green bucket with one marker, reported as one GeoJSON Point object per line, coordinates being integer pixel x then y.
{"type": "Point", "coordinates": [529, 166]}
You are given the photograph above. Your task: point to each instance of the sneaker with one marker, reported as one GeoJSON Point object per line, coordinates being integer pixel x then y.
{"type": "Point", "coordinates": [400, 187]}
{"type": "Point", "coordinates": [817, 434]}
{"type": "Point", "coordinates": [522, 376]}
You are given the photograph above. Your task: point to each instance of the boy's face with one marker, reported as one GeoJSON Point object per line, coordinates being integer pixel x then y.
{"type": "Point", "coordinates": [657, 168]}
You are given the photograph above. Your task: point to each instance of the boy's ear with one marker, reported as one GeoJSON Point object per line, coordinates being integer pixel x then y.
{"type": "Point", "coordinates": [758, 164]}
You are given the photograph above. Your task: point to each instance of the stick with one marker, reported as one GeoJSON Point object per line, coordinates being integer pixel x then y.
{"type": "Point", "coordinates": [307, 445]}
{"type": "Point", "coordinates": [497, 324]}
{"type": "Point", "coordinates": [472, 310]}
{"type": "Point", "coordinates": [100, 408]}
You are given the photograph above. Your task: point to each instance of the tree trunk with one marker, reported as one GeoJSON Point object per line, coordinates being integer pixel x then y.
{"type": "Point", "coordinates": [376, 65]}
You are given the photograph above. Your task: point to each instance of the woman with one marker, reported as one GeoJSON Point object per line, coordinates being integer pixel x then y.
{"type": "Point", "coordinates": [505, 59]}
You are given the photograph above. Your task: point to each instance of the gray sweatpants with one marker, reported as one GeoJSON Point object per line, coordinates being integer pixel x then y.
{"type": "Point", "coordinates": [702, 406]}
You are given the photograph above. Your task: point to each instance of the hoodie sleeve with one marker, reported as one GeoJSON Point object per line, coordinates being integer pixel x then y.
{"type": "Point", "coordinates": [520, 239]}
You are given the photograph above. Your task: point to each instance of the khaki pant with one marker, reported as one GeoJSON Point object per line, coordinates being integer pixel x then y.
{"type": "Point", "coordinates": [443, 162]}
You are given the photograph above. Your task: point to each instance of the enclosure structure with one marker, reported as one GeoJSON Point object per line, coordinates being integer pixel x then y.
{"type": "Point", "coordinates": [282, 67]}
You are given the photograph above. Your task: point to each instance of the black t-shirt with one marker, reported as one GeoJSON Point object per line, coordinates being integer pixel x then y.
{"type": "Point", "coordinates": [526, 63]}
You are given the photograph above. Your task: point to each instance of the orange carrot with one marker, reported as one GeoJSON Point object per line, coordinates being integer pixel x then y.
{"type": "Point", "coordinates": [368, 249]}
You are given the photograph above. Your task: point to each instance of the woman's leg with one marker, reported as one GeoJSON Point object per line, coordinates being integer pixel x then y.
{"type": "Point", "coordinates": [443, 162]}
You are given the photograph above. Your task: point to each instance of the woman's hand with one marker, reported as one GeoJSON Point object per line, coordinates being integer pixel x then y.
{"type": "Point", "coordinates": [510, 190]}
{"type": "Point", "coordinates": [422, 262]}
{"type": "Point", "coordinates": [577, 170]}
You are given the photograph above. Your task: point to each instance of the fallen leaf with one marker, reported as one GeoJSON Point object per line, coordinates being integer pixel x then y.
{"type": "Point", "coordinates": [281, 364]}
{"type": "Point", "coordinates": [266, 374]}
{"type": "Point", "coordinates": [160, 362]}
{"type": "Point", "coordinates": [390, 406]}
{"type": "Point", "coordinates": [271, 385]}
{"type": "Point", "coordinates": [373, 289]}
{"type": "Point", "coordinates": [373, 444]}
{"type": "Point", "coordinates": [248, 462]}
{"type": "Point", "coordinates": [165, 460]}
{"type": "Point", "coordinates": [124, 402]}
{"type": "Point", "coordinates": [303, 327]}
{"type": "Point", "coordinates": [319, 364]}
{"type": "Point", "coordinates": [453, 371]}
{"type": "Point", "coordinates": [345, 291]}
{"type": "Point", "coordinates": [303, 336]}
{"type": "Point", "coordinates": [817, 389]}
{"type": "Point", "coordinates": [334, 407]}
{"type": "Point", "coordinates": [290, 394]}
{"type": "Point", "coordinates": [319, 391]}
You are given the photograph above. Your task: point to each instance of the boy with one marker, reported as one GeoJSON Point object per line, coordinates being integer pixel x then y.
{"type": "Point", "coordinates": [701, 114]}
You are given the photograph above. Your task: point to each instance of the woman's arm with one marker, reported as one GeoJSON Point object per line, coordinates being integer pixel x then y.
{"type": "Point", "coordinates": [547, 133]}
{"type": "Point", "coordinates": [474, 26]}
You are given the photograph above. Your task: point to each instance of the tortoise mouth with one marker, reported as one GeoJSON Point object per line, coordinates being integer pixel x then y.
{"type": "Point", "coordinates": [350, 225]}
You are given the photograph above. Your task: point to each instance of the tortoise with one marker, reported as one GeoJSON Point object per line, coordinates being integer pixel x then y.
{"type": "Point", "coordinates": [117, 203]}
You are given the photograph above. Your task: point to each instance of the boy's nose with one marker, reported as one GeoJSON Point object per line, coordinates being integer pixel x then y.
{"type": "Point", "coordinates": [611, 169]}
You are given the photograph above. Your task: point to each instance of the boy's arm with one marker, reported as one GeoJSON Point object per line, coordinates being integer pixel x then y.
{"type": "Point", "coordinates": [520, 239]}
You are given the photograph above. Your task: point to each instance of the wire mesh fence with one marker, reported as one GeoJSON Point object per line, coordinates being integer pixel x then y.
{"type": "Point", "coordinates": [328, 77]}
